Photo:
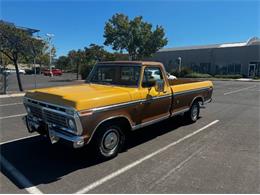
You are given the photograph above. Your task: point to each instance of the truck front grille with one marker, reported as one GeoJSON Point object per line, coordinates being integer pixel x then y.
{"type": "Point", "coordinates": [36, 111]}
{"type": "Point", "coordinates": [55, 118]}
{"type": "Point", "coordinates": [48, 116]}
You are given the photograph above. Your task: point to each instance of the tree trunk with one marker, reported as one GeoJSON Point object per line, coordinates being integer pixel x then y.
{"type": "Point", "coordinates": [77, 71]}
{"type": "Point", "coordinates": [18, 76]}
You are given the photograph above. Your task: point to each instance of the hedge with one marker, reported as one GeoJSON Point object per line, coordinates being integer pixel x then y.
{"type": "Point", "coordinates": [198, 75]}
{"type": "Point", "coordinates": [229, 76]}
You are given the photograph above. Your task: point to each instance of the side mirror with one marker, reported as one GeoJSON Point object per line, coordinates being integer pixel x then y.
{"type": "Point", "coordinates": [149, 83]}
{"type": "Point", "coordinates": [159, 86]}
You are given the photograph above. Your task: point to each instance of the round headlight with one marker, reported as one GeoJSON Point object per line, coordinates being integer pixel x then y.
{"type": "Point", "coordinates": [71, 124]}
{"type": "Point", "coordinates": [28, 110]}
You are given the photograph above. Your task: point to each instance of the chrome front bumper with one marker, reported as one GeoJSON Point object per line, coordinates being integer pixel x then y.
{"type": "Point", "coordinates": [55, 134]}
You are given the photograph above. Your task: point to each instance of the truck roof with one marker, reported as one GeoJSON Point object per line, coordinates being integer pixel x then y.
{"type": "Point", "coordinates": [132, 62]}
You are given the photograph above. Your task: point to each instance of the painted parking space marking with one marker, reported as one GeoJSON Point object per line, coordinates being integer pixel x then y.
{"type": "Point", "coordinates": [254, 90]}
{"type": "Point", "coordinates": [235, 91]}
{"type": "Point", "coordinates": [178, 167]}
{"type": "Point", "coordinates": [23, 181]}
{"type": "Point", "coordinates": [134, 164]}
{"type": "Point", "coordinates": [11, 104]}
{"type": "Point", "coordinates": [12, 116]}
{"type": "Point", "coordinates": [12, 95]}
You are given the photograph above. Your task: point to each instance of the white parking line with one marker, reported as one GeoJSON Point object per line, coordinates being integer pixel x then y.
{"type": "Point", "coordinates": [18, 139]}
{"type": "Point", "coordinates": [11, 104]}
{"type": "Point", "coordinates": [177, 168]}
{"type": "Point", "coordinates": [12, 95]}
{"type": "Point", "coordinates": [130, 166]}
{"type": "Point", "coordinates": [19, 177]}
{"type": "Point", "coordinates": [254, 90]}
{"type": "Point", "coordinates": [235, 91]}
{"type": "Point", "coordinates": [12, 116]}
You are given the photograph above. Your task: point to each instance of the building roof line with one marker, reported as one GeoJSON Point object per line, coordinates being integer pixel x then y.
{"type": "Point", "coordinates": [211, 46]}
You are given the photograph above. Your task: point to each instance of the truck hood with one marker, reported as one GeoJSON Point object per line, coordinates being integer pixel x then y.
{"type": "Point", "coordinates": [82, 97]}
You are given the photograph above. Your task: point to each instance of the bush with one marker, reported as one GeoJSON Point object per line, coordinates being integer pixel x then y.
{"type": "Point", "coordinates": [229, 76]}
{"type": "Point", "coordinates": [184, 71]}
{"type": "Point", "coordinates": [85, 70]}
{"type": "Point", "coordinates": [198, 75]}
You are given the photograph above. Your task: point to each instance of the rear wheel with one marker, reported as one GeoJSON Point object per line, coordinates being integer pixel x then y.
{"type": "Point", "coordinates": [108, 141]}
{"type": "Point", "coordinates": [193, 114]}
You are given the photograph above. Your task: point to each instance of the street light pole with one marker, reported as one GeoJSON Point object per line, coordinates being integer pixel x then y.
{"type": "Point", "coordinates": [50, 47]}
{"type": "Point", "coordinates": [179, 59]}
{"type": "Point", "coordinates": [34, 61]}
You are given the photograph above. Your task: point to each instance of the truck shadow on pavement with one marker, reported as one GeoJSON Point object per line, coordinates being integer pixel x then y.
{"type": "Point", "coordinates": [42, 163]}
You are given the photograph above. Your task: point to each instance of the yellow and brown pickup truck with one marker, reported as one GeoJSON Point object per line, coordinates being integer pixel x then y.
{"type": "Point", "coordinates": [117, 97]}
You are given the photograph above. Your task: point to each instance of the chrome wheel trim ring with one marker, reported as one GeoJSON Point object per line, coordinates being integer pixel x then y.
{"type": "Point", "coordinates": [194, 112]}
{"type": "Point", "coordinates": [110, 142]}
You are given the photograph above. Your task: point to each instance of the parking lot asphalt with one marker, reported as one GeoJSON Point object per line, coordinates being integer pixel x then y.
{"type": "Point", "coordinates": [28, 81]}
{"type": "Point", "coordinates": [220, 153]}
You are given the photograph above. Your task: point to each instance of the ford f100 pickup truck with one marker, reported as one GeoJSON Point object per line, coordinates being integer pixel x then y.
{"type": "Point", "coordinates": [118, 97]}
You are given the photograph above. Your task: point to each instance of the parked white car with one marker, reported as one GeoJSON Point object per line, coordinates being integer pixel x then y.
{"type": "Point", "coordinates": [156, 75]}
{"type": "Point", "coordinates": [21, 71]}
{"type": "Point", "coordinates": [10, 71]}
{"type": "Point", "coordinates": [172, 77]}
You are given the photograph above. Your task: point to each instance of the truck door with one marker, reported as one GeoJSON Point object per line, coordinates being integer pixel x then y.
{"type": "Point", "coordinates": [155, 105]}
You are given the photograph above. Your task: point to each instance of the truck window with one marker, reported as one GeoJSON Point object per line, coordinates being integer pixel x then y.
{"type": "Point", "coordinates": [115, 75]}
{"type": "Point", "coordinates": [152, 73]}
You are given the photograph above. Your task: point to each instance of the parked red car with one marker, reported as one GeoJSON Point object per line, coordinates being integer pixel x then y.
{"type": "Point", "coordinates": [54, 72]}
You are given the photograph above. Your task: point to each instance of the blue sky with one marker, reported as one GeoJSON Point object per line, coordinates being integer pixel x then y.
{"type": "Point", "coordinates": [78, 23]}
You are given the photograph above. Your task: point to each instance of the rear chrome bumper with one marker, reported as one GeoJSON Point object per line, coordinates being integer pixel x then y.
{"type": "Point", "coordinates": [202, 104]}
{"type": "Point", "coordinates": [55, 134]}
{"type": "Point", "coordinates": [207, 101]}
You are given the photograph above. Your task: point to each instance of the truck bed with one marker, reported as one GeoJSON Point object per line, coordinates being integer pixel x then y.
{"type": "Point", "coordinates": [181, 81]}
{"type": "Point", "coordinates": [187, 85]}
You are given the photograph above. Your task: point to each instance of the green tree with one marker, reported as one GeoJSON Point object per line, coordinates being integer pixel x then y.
{"type": "Point", "coordinates": [76, 58]}
{"type": "Point", "coordinates": [82, 60]}
{"type": "Point", "coordinates": [63, 62]}
{"type": "Point", "coordinates": [136, 36]}
{"type": "Point", "coordinates": [15, 44]}
{"type": "Point", "coordinates": [97, 53]}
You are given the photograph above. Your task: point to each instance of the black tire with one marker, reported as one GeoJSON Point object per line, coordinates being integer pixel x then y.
{"type": "Point", "coordinates": [108, 141]}
{"type": "Point", "coordinates": [193, 114]}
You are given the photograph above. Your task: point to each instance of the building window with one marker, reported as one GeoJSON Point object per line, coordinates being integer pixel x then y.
{"type": "Point", "coordinates": [204, 68]}
{"type": "Point", "coordinates": [228, 69]}
{"type": "Point", "coordinates": [237, 69]}
{"type": "Point", "coordinates": [234, 69]}
{"type": "Point", "coordinates": [221, 69]}
{"type": "Point", "coordinates": [195, 67]}
{"type": "Point", "coordinates": [231, 69]}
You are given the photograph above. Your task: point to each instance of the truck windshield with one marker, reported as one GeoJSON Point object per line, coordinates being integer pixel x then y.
{"type": "Point", "coordinates": [115, 75]}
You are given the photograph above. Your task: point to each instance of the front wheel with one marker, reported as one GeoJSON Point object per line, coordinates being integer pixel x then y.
{"type": "Point", "coordinates": [108, 141]}
{"type": "Point", "coordinates": [193, 114]}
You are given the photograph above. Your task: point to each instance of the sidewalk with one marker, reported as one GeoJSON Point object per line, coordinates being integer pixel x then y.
{"type": "Point", "coordinates": [226, 79]}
